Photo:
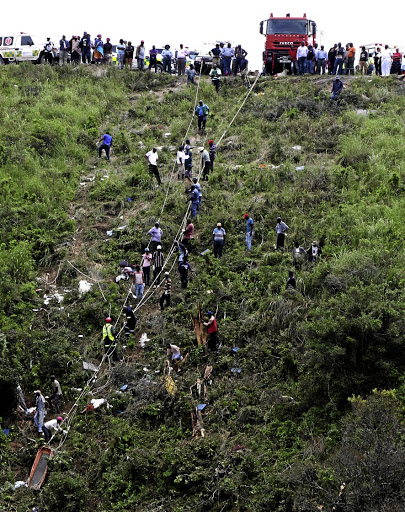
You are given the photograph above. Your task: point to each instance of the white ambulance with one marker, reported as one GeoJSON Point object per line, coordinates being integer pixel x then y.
{"type": "Point", "coordinates": [19, 48]}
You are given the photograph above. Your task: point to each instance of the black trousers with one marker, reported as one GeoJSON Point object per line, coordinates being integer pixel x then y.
{"type": "Point", "coordinates": [206, 170]}
{"type": "Point", "coordinates": [164, 298]}
{"type": "Point", "coordinates": [156, 275]}
{"type": "Point", "coordinates": [154, 170]}
{"type": "Point", "coordinates": [212, 341]}
{"type": "Point", "coordinates": [146, 273]}
{"type": "Point", "coordinates": [280, 240]}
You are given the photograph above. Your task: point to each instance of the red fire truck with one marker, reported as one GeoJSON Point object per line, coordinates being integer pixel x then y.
{"type": "Point", "coordinates": [283, 36]}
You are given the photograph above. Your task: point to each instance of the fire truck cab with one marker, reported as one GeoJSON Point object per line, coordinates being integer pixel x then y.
{"type": "Point", "coordinates": [283, 36]}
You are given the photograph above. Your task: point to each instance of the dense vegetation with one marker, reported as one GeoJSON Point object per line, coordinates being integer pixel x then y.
{"type": "Point", "coordinates": [319, 403]}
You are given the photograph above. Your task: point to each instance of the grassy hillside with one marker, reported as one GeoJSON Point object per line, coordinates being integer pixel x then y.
{"type": "Point", "coordinates": [319, 402]}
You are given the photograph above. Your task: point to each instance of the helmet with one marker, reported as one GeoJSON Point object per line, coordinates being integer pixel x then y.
{"type": "Point", "coordinates": [167, 274]}
{"type": "Point", "coordinates": [210, 313]}
{"type": "Point", "coordinates": [59, 418]}
{"type": "Point", "coordinates": [108, 319]}
{"type": "Point", "coordinates": [158, 247]}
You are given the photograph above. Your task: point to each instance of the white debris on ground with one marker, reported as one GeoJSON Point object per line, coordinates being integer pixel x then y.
{"type": "Point", "coordinates": [47, 298]}
{"type": "Point", "coordinates": [143, 339]}
{"type": "Point", "coordinates": [84, 287]}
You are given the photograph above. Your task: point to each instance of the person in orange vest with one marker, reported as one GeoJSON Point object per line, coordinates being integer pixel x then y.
{"type": "Point", "coordinates": [109, 341]}
{"type": "Point", "coordinates": [212, 330]}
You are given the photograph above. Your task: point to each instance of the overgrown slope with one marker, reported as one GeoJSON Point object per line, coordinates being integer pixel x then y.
{"type": "Point", "coordinates": [318, 404]}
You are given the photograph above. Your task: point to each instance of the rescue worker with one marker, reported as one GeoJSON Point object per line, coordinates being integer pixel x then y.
{"type": "Point", "coordinates": [212, 153]}
{"type": "Point", "coordinates": [249, 230]}
{"type": "Point", "coordinates": [146, 259]}
{"type": "Point", "coordinates": [291, 282]}
{"type": "Point", "coordinates": [180, 159]}
{"type": "Point", "coordinates": [109, 341]}
{"type": "Point", "coordinates": [184, 268]}
{"type": "Point", "coordinates": [188, 233]}
{"type": "Point", "coordinates": [202, 111]}
{"type": "Point", "coordinates": [337, 87]}
{"type": "Point", "coordinates": [212, 330]}
{"type": "Point", "coordinates": [52, 425]}
{"type": "Point", "coordinates": [138, 281]}
{"type": "Point", "coordinates": [198, 186]}
{"type": "Point", "coordinates": [205, 163]}
{"type": "Point", "coordinates": [174, 354]}
{"type": "Point", "coordinates": [165, 297]}
{"type": "Point", "coordinates": [215, 75]}
{"type": "Point", "coordinates": [158, 261]}
{"type": "Point", "coordinates": [156, 236]}
{"type": "Point", "coordinates": [106, 145]}
{"type": "Point", "coordinates": [40, 412]}
{"type": "Point", "coordinates": [314, 252]}
{"type": "Point", "coordinates": [54, 399]}
{"type": "Point", "coordinates": [182, 250]}
{"type": "Point", "coordinates": [281, 229]}
{"type": "Point", "coordinates": [218, 236]}
{"type": "Point", "coordinates": [194, 198]}
{"type": "Point", "coordinates": [130, 325]}
{"type": "Point", "coordinates": [152, 158]}
{"type": "Point", "coordinates": [299, 255]}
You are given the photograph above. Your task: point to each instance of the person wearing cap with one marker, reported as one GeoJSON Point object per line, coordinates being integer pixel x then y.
{"type": "Point", "coordinates": [215, 75]}
{"type": "Point", "coordinates": [138, 282]}
{"type": "Point", "coordinates": [188, 233]}
{"type": "Point", "coordinates": [182, 55]}
{"type": "Point", "coordinates": [158, 262]}
{"type": "Point", "coordinates": [249, 230]}
{"type": "Point", "coordinates": [205, 163]}
{"type": "Point", "coordinates": [165, 297]}
{"type": "Point", "coordinates": [152, 158]}
{"type": "Point", "coordinates": [201, 111]}
{"type": "Point", "coordinates": [218, 236]}
{"type": "Point", "coordinates": [291, 282]}
{"type": "Point", "coordinates": [212, 330]}
{"type": "Point", "coordinates": [40, 410]}
{"type": "Point", "coordinates": [121, 54]}
{"type": "Point", "coordinates": [215, 54]}
{"type": "Point", "coordinates": [153, 58]}
{"type": "Point", "coordinates": [314, 252]}
{"type": "Point", "coordinates": [98, 50]}
{"type": "Point", "coordinates": [337, 86]}
{"type": "Point", "coordinates": [146, 259]}
{"type": "Point", "coordinates": [174, 354]}
{"type": "Point", "coordinates": [195, 201]}
{"type": "Point", "coordinates": [107, 141]}
{"type": "Point", "coordinates": [85, 47]}
{"type": "Point", "coordinates": [63, 51]}
{"type": "Point", "coordinates": [299, 255]}
{"type": "Point", "coordinates": [180, 159]}
{"type": "Point", "coordinates": [54, 399]}
{"type": "Point", "coordinates": [109, 341]}
{"type": "Point", "coordinates": [129, 327]}
{"type": "Point", "coordinates": [156, 236]}
{"type": "Point", "coordinates": [140, 55]}
{"type": "Point", "coordinates": [281, 229]}
{"type": "Point", "coordinates": [167, 56]}
{"type": "Point", "coordinates": [212, 153]}
{"type": "Point", "coordinates": [52, 425]}
{"type": "Point", "coordinates": [108, 48]}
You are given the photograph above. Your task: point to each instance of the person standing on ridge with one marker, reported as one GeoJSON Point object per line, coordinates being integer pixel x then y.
{"type": "Point", "coordinates": [54, 399]}
{"type": "Point", "coordinates": [281, 230]}
{"type": "Point", "coordinates": [205, 163]}
{"type": "Point", "coordinates": [240, 54]}
{"type": "Point", "coordinates": [249, 231]}
{"type": "Point", "coordinates": [167, 59]}
{"type": "Point", "coordinates": [218, 236]}
{"type": "Point", "coordinates": [146, 259]}
{"type": "Point", "coordinates": [182, 55]}
{"type": "Point", "coordinates": [215, 54]}
{"type": "Point", "coordinates": [130, 324]}
{"type": "Point", "coordinates": [165, 297]}
{"type": "Point", "coordinates": [156, 236]}
{"type": "Point", "coordinates": [85, 46]}
{"type": "Point", "coordinates": [40, 412]}
{"type": "Point", "coordinates": [107, 141]}
{"type": "Point", "coordinates": [351, 54]}
{"type": "Point", "coordinates": [108, 48]}
{"type": "Point", "coordinates": [363, 60]}
{"type": "Point", "coordinates": [153, 58]}
{"type": "Point", "coordinates": [129, 55]}
{"type": "Point", "coordinates": [228, 53]}
{"type": "Point", "coordinates": [158, 261]}
{"type": "Point", "coordinates": [140, 55]}
{"type": "Point", "coordinates": [98, 50]}
{"type": "Point", "coordinates": [201, 111]}
{"type": "Point", "coordinates": [152, 158]}
{"type": "Point", "coordinates": [109, 341]}
{"type": "Point", "coordinates": [121, 54]}
{"type": "Point", "coordinates": [212, 330]}
{"type": "Point", "coordinates": [63, 51]}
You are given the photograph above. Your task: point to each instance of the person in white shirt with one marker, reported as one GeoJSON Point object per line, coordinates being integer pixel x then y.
{"type": "Point", "coordinates": [182, 55]}
{"type": "Point", "coordinates": [52, 425]}
{"type": "Point", "coordinates": [281, 229]}
{"type": "Point", "coordinates": [180, 159]}
{"type": "Point", "coordinates": [302, 52]}
{"type": "Point", "coordinates": [140, 55]}
{"type": "Point", "coordinates": [152, 158]}
{"type": "Point", "coordinates": [386, 55]}
{"type": "Point", "coordinates": [174, 353]}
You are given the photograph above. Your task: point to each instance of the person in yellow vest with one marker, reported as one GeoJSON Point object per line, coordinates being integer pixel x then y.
{"type": "Point", "coordinates": [110, 344]}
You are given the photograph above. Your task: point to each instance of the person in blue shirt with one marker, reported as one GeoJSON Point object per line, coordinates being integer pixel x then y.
{"type": "Point", "coordinates": [249, 231]}
{"type": "Point", "coordinates": [167, 56]}
{"type": "Point", "coordinates": [106, 145]}
{"type": "Point", "coordinates": [337, 87]}
{"type": "Point", "coordinates": [201, 110]}
{"type": "Point", "coordinates": [195, 201]}
{"type": "Point", "coordinates": [218, 236]}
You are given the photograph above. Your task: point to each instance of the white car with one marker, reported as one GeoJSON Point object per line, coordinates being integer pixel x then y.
{"type": "Point", "coordinates": [19, 48]}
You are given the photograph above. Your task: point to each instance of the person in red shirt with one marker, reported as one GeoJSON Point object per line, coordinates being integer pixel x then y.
{"type": "Point", "coordinates": [212, 330]}
{"type": "Point", "coordinates": [396, 62]}
{"type": "Point", "coordinates": [188, 234]}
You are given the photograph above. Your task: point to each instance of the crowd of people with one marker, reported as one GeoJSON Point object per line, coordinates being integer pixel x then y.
{"type": "Point", "coordinates": [340, 59]}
